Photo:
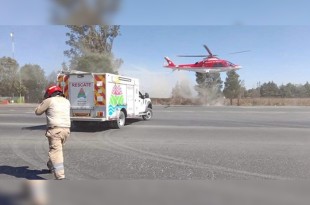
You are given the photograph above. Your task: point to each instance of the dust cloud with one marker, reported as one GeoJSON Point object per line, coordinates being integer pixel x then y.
{"type": "Point", "coordinates": [159, 84]}
{"type": "Point", "coordinates": [210, 96]}
{"type": "Point", "coordinates": [179, 87]}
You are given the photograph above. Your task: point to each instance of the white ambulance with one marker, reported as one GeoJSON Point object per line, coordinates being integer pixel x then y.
{"type": "Point", "coordinates": [99, 97]}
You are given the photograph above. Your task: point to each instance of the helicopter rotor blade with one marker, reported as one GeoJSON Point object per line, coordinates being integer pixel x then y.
{"type": "Point", "coordinates": [240, 52]}
{"type": "Point", "coordinates": [206, 47]}
{"type": "Point", "coordinates": [192, 55]}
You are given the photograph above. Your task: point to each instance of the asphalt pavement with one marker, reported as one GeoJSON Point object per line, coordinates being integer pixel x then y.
{"type": "Point", "coordinates": [179, 142]}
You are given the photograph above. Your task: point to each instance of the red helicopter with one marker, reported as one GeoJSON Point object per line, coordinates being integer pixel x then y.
{"type": "Point", "coordinates": [210, 64]}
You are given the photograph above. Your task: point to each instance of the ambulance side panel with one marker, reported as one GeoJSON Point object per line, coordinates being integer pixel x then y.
{"type": "Point", "coordinates": [120, 94]}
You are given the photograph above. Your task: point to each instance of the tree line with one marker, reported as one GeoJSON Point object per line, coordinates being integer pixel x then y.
{"type": "Point", "coordinates": [211, 89]}
{"type": "Point", "coordinates": [28, 80]}
{"type": "Point", "coordinates": [271, 89]}
{"type": "Point", "coordinates": [90, 50]}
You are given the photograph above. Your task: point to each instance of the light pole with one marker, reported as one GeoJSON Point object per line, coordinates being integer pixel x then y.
{"type": "Point", "coordinates": [12, 41]}
{"type": "Point", "coordinates": [20, 80]}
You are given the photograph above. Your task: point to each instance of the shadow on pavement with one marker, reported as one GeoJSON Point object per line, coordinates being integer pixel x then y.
{"type": "Point", "coordinates": [132, 121]}
{"type": "Point", "coordinates": [23, 172]}
{"type": "Point", "coordinates": [37, 127]}
{"type": "Point", "coordinates": [97, 126]}
{"type": "Point", "coordinates": [86, 127]}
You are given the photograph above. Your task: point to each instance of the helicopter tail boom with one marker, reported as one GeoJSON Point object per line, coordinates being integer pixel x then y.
{"type": "Point", "coordinates": [170, 63]}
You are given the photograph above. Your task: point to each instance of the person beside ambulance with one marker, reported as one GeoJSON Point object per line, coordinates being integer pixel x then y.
{"type": "Point", "coordinates": [57, 110]}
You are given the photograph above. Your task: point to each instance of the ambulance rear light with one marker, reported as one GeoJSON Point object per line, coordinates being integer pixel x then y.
{"type": "Point", "coordinates": [80, 114]}
{"type": "Point", "coordinates": [100, 114]}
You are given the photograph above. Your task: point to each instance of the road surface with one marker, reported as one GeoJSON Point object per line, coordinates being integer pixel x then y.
{"type": "Point", "coordinates": [181, 142]}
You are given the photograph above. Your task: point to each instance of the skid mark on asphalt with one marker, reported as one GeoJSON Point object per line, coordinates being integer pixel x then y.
{"type": "Point", "coordinates": [125, 150]}
{"type": "Point", "coordinates": [19, 151]}
{"type": "Point", "coordinates": [103, 142]}
{"type": "Point", "coordinates": [35, 154]}
{"type": "Point", "coordinates": [209, 167]}
{"type": "Point", "coordinates": [40, 149]}
{"type": "Point", "coordinates": [152, 156]}
{"type": "Point", "coordinates": [73, 172]}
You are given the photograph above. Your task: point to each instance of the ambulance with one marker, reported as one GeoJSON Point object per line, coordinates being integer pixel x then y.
{"type": "Point", "coordinates": [104, 97]}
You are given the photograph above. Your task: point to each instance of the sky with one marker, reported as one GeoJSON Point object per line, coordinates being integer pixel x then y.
{"type": "Point", "coordinates": [214, 12]}
{"type": "Point", "coordinates": [277, 53]}
{"type": "Point", "coordinates": [277, 33]}
{"type": "Point", "coordinates": [171, 12]}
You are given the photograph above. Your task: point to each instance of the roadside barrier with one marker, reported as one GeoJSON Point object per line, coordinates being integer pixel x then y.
{"type": "Point", "coordinates": [4, 102]}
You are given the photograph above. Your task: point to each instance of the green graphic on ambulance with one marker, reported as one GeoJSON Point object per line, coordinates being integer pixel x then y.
{"type": "Point", "coordinates": [81, 93]}
{"type": "Point", "coordinates": [116, 100]}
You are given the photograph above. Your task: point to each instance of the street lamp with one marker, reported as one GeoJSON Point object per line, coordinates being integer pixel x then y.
{"type": "Point", "coordinates": [20, 78]}
{"type": "Point", "coordinates": [12, 40]}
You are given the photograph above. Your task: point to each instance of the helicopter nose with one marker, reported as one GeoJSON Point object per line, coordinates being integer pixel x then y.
{"type": "Point", "coordinates": [237, 67]}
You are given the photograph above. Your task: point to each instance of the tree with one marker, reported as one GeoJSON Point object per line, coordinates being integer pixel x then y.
{"type": "Point", "coordinates": [91, 48]}
{"type": "Point", "coordinates": [252, 93]}
{"type": "Point", "coordinates": [209, 85]}
{"type": "Point", "coordinates": [34, 80]}
{"type": "Point", "coordinates": [51, 78]}
{"type": "Point", "coordinates": [269, 89]}
{"type": "Point", "coordinates": [64, 67]}
{"type": "Point", "coordinates": [307, 90]}
{"type": "Point", "coordinates": [232, 86]}
{"type": "Point", "coordinates": [9, 77]}
{"type": "Point", "coordinates": [298, 91]}
{"type": "Point", "coordinates": [98, 63]}
{"type": "Point", "coordinates": [242, 92]}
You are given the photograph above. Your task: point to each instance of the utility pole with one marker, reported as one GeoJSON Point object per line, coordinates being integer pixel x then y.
{"type": "Point", "coordinates": [13, 46]}
{"type": "Point", "coordinates": [13, 56]}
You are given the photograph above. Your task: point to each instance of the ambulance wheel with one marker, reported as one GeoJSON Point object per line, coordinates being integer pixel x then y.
{"type": "Point", "coordinates": [149, 114]}
{"type": "Point", "coordinates": [120, 122]}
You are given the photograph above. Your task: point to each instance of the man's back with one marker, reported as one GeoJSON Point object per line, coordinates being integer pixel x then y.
{"type": "Point", "coordinates": [57, 111]}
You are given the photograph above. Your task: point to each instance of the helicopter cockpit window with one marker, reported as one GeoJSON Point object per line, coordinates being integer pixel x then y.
{"type": "Point", "coordinates": [230, 64]}
{"type": "Point", "coordinates": [218, 65]}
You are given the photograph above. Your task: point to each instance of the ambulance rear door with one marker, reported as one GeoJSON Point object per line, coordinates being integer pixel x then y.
{"type": "Point", "coordinates": [81, 94]}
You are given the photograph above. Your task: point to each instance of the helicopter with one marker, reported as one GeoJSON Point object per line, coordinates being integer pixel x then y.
{"type": "Point", "coordinates": [210, 63]}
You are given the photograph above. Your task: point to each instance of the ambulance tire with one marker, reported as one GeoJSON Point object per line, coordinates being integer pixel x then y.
{"type": "Point", "coordinates": [149, 114]}
{"type": "Point", "coordinates": [120, 122]}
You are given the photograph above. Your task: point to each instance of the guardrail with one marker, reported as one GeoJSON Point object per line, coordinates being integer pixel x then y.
{"type": "Point", "coordinates": [7, 100]}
